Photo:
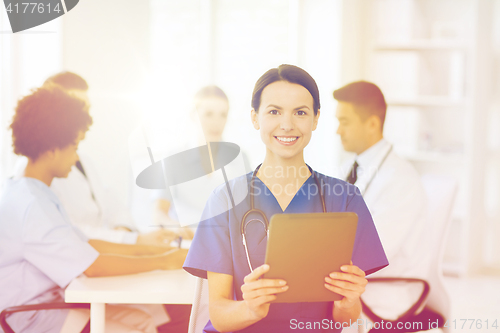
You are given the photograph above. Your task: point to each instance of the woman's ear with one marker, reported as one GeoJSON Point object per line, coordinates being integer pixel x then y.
{"type": "Point", "coordinates": [316, 118]}
{"type": "Point", "coordinates": [255, 119]}
{"type": "Point", "coordinates": [52, 154]}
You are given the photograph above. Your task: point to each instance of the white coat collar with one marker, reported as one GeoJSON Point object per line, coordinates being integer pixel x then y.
{"type": "Point", "coordinates": [369, 162]}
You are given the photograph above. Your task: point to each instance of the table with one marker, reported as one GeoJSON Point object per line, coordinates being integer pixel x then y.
{"type": "Point", "coordinates": [156, 287]}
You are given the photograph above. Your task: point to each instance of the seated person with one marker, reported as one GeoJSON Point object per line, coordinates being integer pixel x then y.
{"type": "Point", "coordinates": [41, 250]}
{"type": "Point", "coordinates": [391, 188]}
{"type": "Point", "coordinates": [89, 204]}
{"type": "Point", "coordinates": [211, 108]}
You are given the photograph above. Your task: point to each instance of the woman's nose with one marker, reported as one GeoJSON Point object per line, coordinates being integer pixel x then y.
{"type": "Point", "coordinates": [286, 123]}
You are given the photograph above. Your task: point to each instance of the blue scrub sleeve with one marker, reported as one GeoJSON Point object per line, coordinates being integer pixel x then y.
{"type": "Point", "coordinates": [368, 253]}
{"type": "Point", "coordinates": [52, 245]}
{"type": "Point", "coordinates": [211, 246]}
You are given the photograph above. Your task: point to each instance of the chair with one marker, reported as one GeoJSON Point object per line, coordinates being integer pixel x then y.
{"type": "Point", "coordinates": [441, 192]}
{"type": "Point", "coordinates": [199, 312]}
{"type": "Point", "coordinates": [44, 306]}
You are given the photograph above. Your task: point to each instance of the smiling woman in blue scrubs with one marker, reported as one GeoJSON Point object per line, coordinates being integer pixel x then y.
{"type": "Point", "coordinates": [285, 110]}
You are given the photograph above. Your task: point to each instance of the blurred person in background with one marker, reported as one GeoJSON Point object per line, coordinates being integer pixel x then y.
{"type": "Point", "coordinates": [392, 190]}
{"type": "Point", "coordinates": [41, 250]}
{"type": "Point", "coordinates": [90, 204]}
{"type": "Point", "coordinates": [211, 108]}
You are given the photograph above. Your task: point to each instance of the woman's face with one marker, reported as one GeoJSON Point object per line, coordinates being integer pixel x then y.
{"type": "Point", "coordinates": [285, 119]}
{"type": "Point", "coordinates": [65, 158]}
{"type": "Point", "coordinates": [212, 112]}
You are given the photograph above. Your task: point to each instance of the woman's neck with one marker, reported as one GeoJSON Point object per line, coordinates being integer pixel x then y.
{"type": "Point", "coordinates": [276, 170]}
{"type": "Point", "coordinates": [283, 177]}
{"type": "Point", "coordinates": [36, 169]}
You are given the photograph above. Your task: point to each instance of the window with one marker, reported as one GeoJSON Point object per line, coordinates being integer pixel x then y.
{"type": "Point", "coordinates": [26, 60]}
{"type": "Point", "coordinates": [230, 44]}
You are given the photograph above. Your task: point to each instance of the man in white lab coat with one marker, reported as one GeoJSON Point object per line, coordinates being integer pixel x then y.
{"type": "Point", "coordinates": [89, 204]}
{"type": "Point", "coordinates": [392, 191]}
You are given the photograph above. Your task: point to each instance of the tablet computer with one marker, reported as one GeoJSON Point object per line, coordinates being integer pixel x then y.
{"type": "Point", "coordinates": [303, 249]}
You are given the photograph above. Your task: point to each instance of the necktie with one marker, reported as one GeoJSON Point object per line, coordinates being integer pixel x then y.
{"type": "Point", "coordinates": [353, 174]}
{"type": "Point", "coordinates": [79, 166]}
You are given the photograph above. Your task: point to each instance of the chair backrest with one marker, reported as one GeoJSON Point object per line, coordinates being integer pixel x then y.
{"type": "Point", "coordinates": [199, 312]}
{"type": "Point", "coordinates": [441, 192]}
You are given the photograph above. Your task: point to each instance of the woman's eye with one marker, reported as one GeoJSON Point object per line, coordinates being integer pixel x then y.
{"type": "Point", "coordinates": [273, 112]}
{"type": "Point", "coordinates": [301, 113]}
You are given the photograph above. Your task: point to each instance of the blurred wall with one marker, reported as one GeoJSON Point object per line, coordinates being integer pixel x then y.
{"type": "Point", "coordinates": [107, 43]}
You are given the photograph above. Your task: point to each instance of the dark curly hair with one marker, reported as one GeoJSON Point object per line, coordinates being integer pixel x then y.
{"type": "Point", "coordinates": [47, 119]}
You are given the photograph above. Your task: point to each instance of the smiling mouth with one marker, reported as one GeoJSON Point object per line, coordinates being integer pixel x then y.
{"type": "Point", "coordinates": [287, 139]}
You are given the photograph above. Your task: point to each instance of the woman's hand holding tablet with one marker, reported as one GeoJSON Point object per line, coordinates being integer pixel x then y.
{"type": "Point", "coordinates": [259, 293]}
{"type": "Point", "coordinates": [350, 284]}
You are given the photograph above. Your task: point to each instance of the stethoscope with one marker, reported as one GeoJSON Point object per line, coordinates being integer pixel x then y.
{"type": "Point", "coordinates": [378, 169]}
{"type": "Point", "coordinates": [264, 221]}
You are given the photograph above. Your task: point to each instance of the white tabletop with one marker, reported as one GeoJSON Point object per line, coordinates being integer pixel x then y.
{"type": "Point", "coordinates": [156, 287]}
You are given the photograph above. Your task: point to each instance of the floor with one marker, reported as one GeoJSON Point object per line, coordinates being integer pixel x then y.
{"type": "Point", "coordinates": [475, 298]}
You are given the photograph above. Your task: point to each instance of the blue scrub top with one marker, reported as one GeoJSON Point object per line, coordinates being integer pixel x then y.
{"type": "Point", "coordinates": [40, 253]}
{"type": "Point", "coordinates": [217, 245]}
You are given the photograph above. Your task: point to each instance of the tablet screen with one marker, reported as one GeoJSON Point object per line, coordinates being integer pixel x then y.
{"type": "Point", "coordinates": [303, 249]}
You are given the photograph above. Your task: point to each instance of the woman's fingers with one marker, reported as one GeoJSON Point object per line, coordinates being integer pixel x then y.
{"type": "Point", "coordinates": [255, 293]}
{"type": "Point", "coordinates": [343, 292]}
{"type": "Point", "coordinates": [256, 274]}
{"type": "Point", "coordinates": [254, 287]}
{"type": "Point", "coordinates": [350, 283]}
{"type": "Point", "coordinates": [263, 283]}
{"type": "Point", "coordinates": [263, 287]}
{"type": "Point", "coordinates": [350, 278]}
{"type": "Point", "coordinates": [258, 293]}
{"type": "Point", "coordinates": [353, 269]}
{"type": "Point", "coordinates": [351, 274]}
{"type": "Point", "coordinates": [346, 285]}
{"type": "Point", "coordinates": [257, 302]}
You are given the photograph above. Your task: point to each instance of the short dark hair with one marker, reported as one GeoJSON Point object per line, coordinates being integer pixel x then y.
{"type": "Point", "coordinates": [289, 73]}
{"type": "Point", "coordinates": [47, 119]}
{"type": "Point", "coordinates": [69, 81]}
{"type": "Point", "coordinates": [366, 96]}
{"type": "Point", "coordinates": [211, 91]}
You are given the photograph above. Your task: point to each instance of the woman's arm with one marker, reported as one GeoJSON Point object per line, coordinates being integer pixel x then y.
{"type": "Point", "coordinates": [350, 284]}
{"type": "Point", "coordinates": [229, 315]}
{"type": "Point", "coordinates": [115, 264]}
{"type": "Point", "coordinates": [104, 247]}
